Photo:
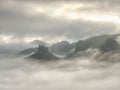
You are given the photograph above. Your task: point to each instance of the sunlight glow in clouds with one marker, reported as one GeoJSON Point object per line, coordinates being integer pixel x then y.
{"type": "Point", "coordinates": [93, 17]}
{"type": "Point", "coordinates": [66, 11]}
{"type": "Point", "coordinates": [71, 12]}
{"type": "Point", "coordinates": [11, 39]}
{"type": "Point", "coordinates": [114, 19]}
{"type": "Point", "coordinates": [6, 38]}
{"type": "Point", "coordinates": [30, 39]}
{"type": "Point", "coordinates": [57, 10]}
{"type": "Point", "coordinates": [57, 39]}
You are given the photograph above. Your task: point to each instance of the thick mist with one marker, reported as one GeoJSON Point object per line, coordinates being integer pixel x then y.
{"type": "Point", "coordinates": [82, 73]}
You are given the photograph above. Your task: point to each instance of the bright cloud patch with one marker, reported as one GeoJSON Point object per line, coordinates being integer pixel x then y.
{"type": "Point", "coordinates": [66, 11]}
{"type": "Point", "coordinates": [6, 38]}
{"type": "Point", "coordinates": [74, 12]}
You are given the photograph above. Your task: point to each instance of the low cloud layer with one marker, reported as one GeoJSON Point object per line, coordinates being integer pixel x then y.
{"type": "Point", "coordinates": [80, 73]}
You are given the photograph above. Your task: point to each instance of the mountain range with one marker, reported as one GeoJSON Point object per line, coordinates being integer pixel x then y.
{"type": "Point", "coordinates": [64, 49]}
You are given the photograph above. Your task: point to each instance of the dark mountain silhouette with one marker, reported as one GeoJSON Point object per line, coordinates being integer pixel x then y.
{"type": "Point", "coordinates": [110, 45]}
{"type": "Point", "coordinates": [32, 50]}
{"type": "Point", "coordinates": [61, 48]}
{"type": "Point", "coordinates": [42, 53]}
{"type": "Point", "coordinates": [104, 43]}
{"type": "Point", "coordinates": [93, 42]}
{"type": "Point", "coordinates": [27, 51]}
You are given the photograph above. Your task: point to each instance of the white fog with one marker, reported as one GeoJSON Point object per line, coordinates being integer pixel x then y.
{"type": "Point", "coordinates": [77, 74]}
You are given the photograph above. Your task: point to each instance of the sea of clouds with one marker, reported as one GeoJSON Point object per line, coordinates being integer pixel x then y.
{"type": "Point", "coordinates": [82, 73]}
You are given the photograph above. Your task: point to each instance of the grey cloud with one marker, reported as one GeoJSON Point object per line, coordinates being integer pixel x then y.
{"type": "Point", "coordinates": [107, 2]}
{"type": "Point", "coordinates": [15, 21]}
{"type": "Point", "coordinates": [55, 28]}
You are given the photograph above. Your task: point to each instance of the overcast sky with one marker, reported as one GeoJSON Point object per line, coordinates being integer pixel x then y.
{"type": "Point", "coordinates": [22, 21]}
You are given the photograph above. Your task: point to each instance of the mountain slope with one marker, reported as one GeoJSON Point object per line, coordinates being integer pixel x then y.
{"type": "Point", "coordinates": [61, 48]}
{"type": "Point", "coordinates": [42, 53]}
{"type": "Point", "coordinates": [103, 43]}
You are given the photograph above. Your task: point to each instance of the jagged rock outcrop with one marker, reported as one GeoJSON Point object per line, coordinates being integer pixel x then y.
{"type": "Point", "coordinates": [42, 53]}
{"type": "Point", "coordinates": [102, 43]}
